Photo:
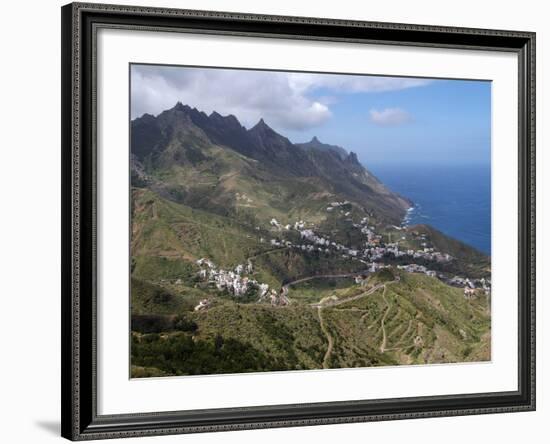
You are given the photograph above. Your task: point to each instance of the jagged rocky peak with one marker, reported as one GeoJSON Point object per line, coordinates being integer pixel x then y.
{"type": "Point", "coordinates": [352, 158]}
{"type": "Point", "coordinates": [146, 118]}
{"type": "Point", "coordinates": [317, 145]}
{"type": "Point", "coordinates": [181, 107]}
{"type": "Point", "coordinates": [229, 120]}
{"type": "Point", "coordinates": [263, 132]}
{"type": "Point", "coordinates": [261, 125]}
{"type": "Point", "coordinates": [184, 135]}
{"type": "Point", "coordinates": [191, 112]}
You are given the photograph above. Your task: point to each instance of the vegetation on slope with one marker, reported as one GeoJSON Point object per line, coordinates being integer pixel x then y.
{"type": "Point", "coordinates": [205, 187]}
{"type": "Point", "coordinates": [422, 320]}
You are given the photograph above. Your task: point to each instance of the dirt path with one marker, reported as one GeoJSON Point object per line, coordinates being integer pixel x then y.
{"type": "Point", "coordinates": [320, 306]}
{"type": "Point", "coordinates": [324, 329]}
{"type": "Point", "coordinates": [392, 333]}
{"type": "Point", "coordinates": [384, 338]}
{"type": "Point", "coordinates": [399, 346]}
{"type": "Point", "coordinates": [405, 333]}
{"type": "Point", "coordinates": [328, 336]}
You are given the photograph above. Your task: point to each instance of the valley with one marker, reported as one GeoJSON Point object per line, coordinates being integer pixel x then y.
{"type": "Point", "coordinates": [250, 254]}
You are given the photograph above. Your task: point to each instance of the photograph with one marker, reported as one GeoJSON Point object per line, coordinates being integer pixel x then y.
{"type": "Point", "coordinates": [287, 220]}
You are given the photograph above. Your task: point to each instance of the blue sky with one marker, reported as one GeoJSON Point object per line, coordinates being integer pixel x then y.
{"type": "Point", "coordinates": [444, 121]}
{"type": "Point", "coordinates": [383, 119]}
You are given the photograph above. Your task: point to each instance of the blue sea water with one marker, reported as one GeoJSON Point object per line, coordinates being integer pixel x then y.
{"type": "Point", "coordinates": [454, 199]}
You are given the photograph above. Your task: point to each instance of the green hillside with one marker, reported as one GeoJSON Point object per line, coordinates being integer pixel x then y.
{"type": "Point", "coordinates": [417, 320]}
{"type": "Point", "coordinates": [250, 253]}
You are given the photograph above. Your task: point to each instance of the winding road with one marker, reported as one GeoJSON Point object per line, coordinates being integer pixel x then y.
{"type": "Point", "coordinates": [330, 340]}
{"type": "Point", "coordinates": [319, 276]}
{"type": "Point", "coordinates": [333, 303]}
{"type": "Point", "coordinates": [326, 332]}
{"type": "Point", "coordinates": [351, 298]}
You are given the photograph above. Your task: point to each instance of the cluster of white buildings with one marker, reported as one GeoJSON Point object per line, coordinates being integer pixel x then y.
{"type": "Point", "coordinates": [458, 281]}
{"type": "Point", "coordinates": [234, 281]}
{"type": "Point", "coordinates": [237, 283]}
{"type": "Point", "coordinates": [275, 223]}
{"type": "Point", "coordinates": [471, 285]}
{"type": "Point", "coordinates": [275, 298]}
{"type": "Point", "coordinates": [374, 249]}
{"type": "Point", "coordinates": [313, 238]}
{"type": "Point", "coordinates": [324, 244]}
{"type": "Point", "coordinates": [374, 252]}
{"type": "Point", "coordinates": [429, 254]}
{"type": "Point", "coordinates": [280, 243]}
{"type": "Point", "coordinates": [372, 237]}
{"type": "Point", "coordinates": [373, 267]}
{"type": "Point", "coordinates": [415, 268]}
{"type": "Point", "coordinates": [337, 204]}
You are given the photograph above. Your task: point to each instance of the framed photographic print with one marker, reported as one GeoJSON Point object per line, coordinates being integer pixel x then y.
{"type": "Point", "coordinates": [280, 221]}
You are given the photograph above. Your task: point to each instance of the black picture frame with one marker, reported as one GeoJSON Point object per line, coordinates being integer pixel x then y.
{"type": "Point", "coordinates": [80, 22]}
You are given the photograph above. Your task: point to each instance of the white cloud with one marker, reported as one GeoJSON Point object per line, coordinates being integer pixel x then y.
{"type": "Point", "coordinates": [286, 101]}
{"type": "Point", "coordinates": [353, 83]}
{"type": "Point", "coordinates": [390, 117]}
{"type": "Point", "coordinates": [249, 95]}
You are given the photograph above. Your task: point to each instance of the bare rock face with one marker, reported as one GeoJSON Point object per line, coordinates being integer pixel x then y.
{"type": "Point", "coordinates": [184, 136]}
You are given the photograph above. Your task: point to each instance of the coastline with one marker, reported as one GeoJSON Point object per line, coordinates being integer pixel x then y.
{"type": "Point", "coordinates": [455, 200]}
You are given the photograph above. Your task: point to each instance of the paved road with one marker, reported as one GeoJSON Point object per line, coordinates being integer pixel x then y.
{"type": "Point", "coordinates": [320, 276]}
{"type": "Point", "coordinates": [351, 298]}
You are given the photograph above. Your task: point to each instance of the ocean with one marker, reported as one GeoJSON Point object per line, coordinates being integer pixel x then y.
{"type": "Point", "coordinates": [454, 199]}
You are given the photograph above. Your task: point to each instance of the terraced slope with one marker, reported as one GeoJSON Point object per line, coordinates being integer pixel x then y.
{"type": "Point", "coordinates": [216, 206]}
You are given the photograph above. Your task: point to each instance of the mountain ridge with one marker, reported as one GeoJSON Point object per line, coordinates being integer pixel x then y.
{"type": "Point", "coordinates": [315, 143]}
{"type": "Point", "coordinates": [186, 136]}
{"type": "Point", "coordinates": [251, 253]}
